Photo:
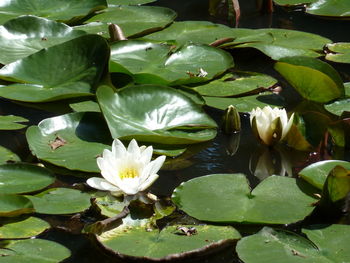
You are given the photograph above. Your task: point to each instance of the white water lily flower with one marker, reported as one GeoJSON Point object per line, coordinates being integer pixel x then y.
{"type": "Point", "coordinates": [126, 171]}
{"type": "Point", "coordinates": [270, 125]}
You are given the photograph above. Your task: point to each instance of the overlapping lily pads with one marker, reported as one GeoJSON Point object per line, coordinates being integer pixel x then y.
{"type": "Point", "coordinates": [133, 20]}
{"type": "Point", "coordinates": [56, 10]}
{"type": "Point", "coordinates": [151, 63]}
{"type": "Point", "coordinates": [228, 198]}
{"type": "Point", "coordinates": [11, 122]}
{"type": "Point", "coordinates": [338, 52]}
{"type": "Point", "coordinates": [14, 205]}
{"type": "Point", "coordinates": [25, 35]}
{"type": "Point", "coordinates": [157, 114]}
{"type": "Point", "coordinates": [60, 140]}
{"type": "Point", "coordinates": [67, 70]}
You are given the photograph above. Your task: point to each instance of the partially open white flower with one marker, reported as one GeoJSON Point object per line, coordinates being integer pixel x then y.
{"type": "Point", "coordinates": [270, 125]}
{"type": "Point", "coordinates": [126, 171]}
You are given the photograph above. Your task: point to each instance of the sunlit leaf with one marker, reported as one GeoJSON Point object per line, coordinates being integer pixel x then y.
{"type": "Point", "coordinates": [14, 205]}
{"type": "Point", "coordinates": [10, 122]}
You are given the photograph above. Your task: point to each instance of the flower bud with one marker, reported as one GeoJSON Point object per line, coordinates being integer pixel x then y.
{"type": "Point", "coordinates": [231, 120]}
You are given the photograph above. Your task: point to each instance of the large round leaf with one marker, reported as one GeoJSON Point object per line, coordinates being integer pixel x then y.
{"type": "Point", "coordinates": [56, 201]}
{"type": "Point", "coordinates": [26, 35]}
{"type": "Point", "coordinates": [55, 10]}
{"type": "Point", "coordinates": [338, 107]}
{"type": "Point", "coordinates": [133, 20]}
{"type": "Point", "coordinates": [152, 63]}
{"type": "Point", "coordinates": [228, 198]}
{"type": "Point", "coordinates": [328, 244]}
{"type": "Point", "coordinates": [247, 103]}
{"type": "Point", "coordinates": [14, 205]}
{"type": "Point", "coordinates": [316, 173]}
{"type": "Point", "coordinates": [28, 227]}
{"type": "Point", "coordinates": [10, 122]}
{"type": "Point", "coordinates": [33, 250]}
{"type": "Point", "coordinates": [313, 79]}
{"type": "Point", "coordinates": [332, 8]}
{"type": "Point", "coordinates": [72, 140]}
{"type": "Point", "coordinates": [293, 2]}
{"type": "Point", "coordinates": [154, 114]}
{"type": "Point", "coordinates": [7, 156]}
{"type": "Point", "coordinates": [23, 178]}
{"type": "Point", "coordinates": [70, 69]}
{"type": "Point", "coordinates": [169, 242]}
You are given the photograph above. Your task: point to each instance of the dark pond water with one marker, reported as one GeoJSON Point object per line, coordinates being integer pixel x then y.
{"type": "Point", "coordinates": [240, 153]}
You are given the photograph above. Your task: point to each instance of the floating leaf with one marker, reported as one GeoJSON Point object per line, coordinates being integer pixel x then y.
{"type": "Point", "coordinates": [337, 185]}
{"type": "Point", "coordinates": [129, 2]}
{"type": "Point", "coordinates": [85, 106]}
{"type": "Point", "coordinates": [316, 173]}
{"type": "Point", "coordinates": [151, 63]}
{"type": "Point", "coordinates": [110, 205]}
{"type": "Point", "coordinates": [80, 130]}
{"type": "Point", "coordinates": [26, 228]}
{"type": "Point", "coordinates": [14, 205]}
{"type": "Point", "coordinates": [154, 114]}
{"type": "Point", "coordinates": [25, 35]}
{"type": "Point", "coordinates": [56, 10]}
{"type": "Point", "coordinates": [338, 107]}
{"type": "Point", "coordinates": [293, 2]}
{"type": "Point", "coordinates": [339, 52]}
{"type": "Point", "coordinates": [56, 201]}
{"type": "Point", "coordinates": [70, 69]}
{"type": "Point", "coordinates": [228, 198]}
{"type": "Point", "coordinates": [313, 79]}
{"type": "Point", "coordinates": [33, 250]}
{"type": "Point", "coordinates": [23, 178]}
{"type": "Point", "coordinates": [328, 244]}
{"type": "Point", "coordinates": [332, 8]}
{"type": "Point", "coordinates": [7, 156]}
{"type": "Point", "coordinates": [10, 122]}
{"type": "Point", "coordinates": [133, 20]}
{"type": "Point", "coordinates": [168, 243]}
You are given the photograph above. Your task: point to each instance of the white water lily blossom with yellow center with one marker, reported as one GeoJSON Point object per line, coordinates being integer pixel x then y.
{"type": "Point", "coordinates": [126, 171]}
{"type": "Point", "coordinates": [271, 125]}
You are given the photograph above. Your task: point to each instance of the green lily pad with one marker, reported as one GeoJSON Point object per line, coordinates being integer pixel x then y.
{"type": "Point", "coordinates": [60, 140]}
{"type": "Point", "coordinates": [33, 250]}
{"type": "Point", "coordinates": [25, 35]}
{"type": "Point", "coordinates": [338, 107]}
{"type": "Point", "coordinates": [23, 178]}
{"type": "Point", "coordinates": [236, 83]}
{"type": "Point", "coordinates": [228, 198]}
{"type": "Point", "coordinates": [198, 32]}
{"type": "Point", "coordinates": [313, 79]}
{"type": "Point", "coordinates": [151, 63]}
{"type": "Point", "coordinates": [10, 122]}
{"type": "Point", "coordinates": [70, 69]}
{"type": "Point", "coordinates": [279, 43]}
{"type": "Point", "coordinates": [129, 2]}
{"type": "Point", "coordinates": [330, 8]}
{"type": "Point", "coordinates": [85, 106]}
{"type": "Point", "coordinates": [337, 185]}
{"type": "Point", "coordinates": [26, 228]}
{"type": "Point", "coordinates": [7, 156]}
{"type": "Point", "coordinates": [293, 2]}
{"type": "Point", "coordinates": [133, 20]}
{"type": "Point", "coordinates": [339, 52]}
{"type": "Point", "coordinates": [169, 242]}
{"type": "Point", "coordinates": [316, 173]}
{"type": "Point", "coordinates": [247, 103]}
{"type": "Point", "coordinates": [56, 10]}
{"type": "Point", "coordinates": [58, 201]}
{"type": "Point", "coordinates": [328, 244]}
{"type": "Point", "coordinates": [14, 205]}
{"type": "Point", "coordinates": [154, 114]}
{"type": "Point", "coordinates": [109, 205]}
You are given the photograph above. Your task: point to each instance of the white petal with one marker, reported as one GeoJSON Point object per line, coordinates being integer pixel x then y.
{"type": "Point", "coordinates": [288, 126]}
{"type": "Point", "coordinates": [146, 155]}
{"type": "Point", "coordinates": [157, 164]}
{"type": "Point", "coordinates": [130, 186]}
{"type": "Point", "coordinates": [118, 148]}
{"type": "Point", "coordinates": [101, 184]}
{"type": "Point", "coordinates": [134, 149]}
{"type": "Point", "coordinates": [108, 171]}
{"type": "Point", "coordinates": [150, 180]}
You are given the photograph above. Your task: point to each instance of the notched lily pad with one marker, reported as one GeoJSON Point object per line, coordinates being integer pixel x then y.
{"type": "Point", "coordinates": [338, 52]}
{"type": "Point", "coordinates": [14, 205]}
{"type": "Point", "coordinates": [11, 122]}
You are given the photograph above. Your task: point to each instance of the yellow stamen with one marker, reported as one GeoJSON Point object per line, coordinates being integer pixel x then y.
{"type": "Point", "coordinates": [128, 173]}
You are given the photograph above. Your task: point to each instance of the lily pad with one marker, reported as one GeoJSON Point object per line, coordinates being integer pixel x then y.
{"type": "Point", "coordinates": [247, 103]}
{"type": "Point", "coordinates": [227, 198]}
{"type": "Point", "coordinates": [313, 79]}
{"type": "Point", "coordinates": [328, 244]}
{"type": "Point", "coordinates": [25, 35]}
{"type": "Point", "coordinates": [169, 242]}
{"type": "Point", "coordinates": [338, 107]}
{"type": "Point", "coordinates": [151, 63]}
{"type": "Point", "coordinates": [330, 8]}
{"type": "Point", "coordinates": [59, 201]}
{"type": "Point", "coordinates": [33, 250]}
{"type": "Point", "coordinates": [70, 69]}
{"type": "Point", "coordinates": [10, 122]}
{"type": "Point", "coordinates": [129, 2]}
{"type": "Point", "coordinates": [85, 106]}
{"type": "Point", "coordinates": [293, 2]}
{"type": "Point", "coordinates": [316, 173]}
{"type": "Point", "coordinates": [56, 10]}
{"type": "Point", "coordinates": [235, 84]}
{"type": "Point", "coordinates": [339, 52]}
{"type": "Point", "coordinates": [60, 140]}
{"type": "Point", "coordinates": [14, 205]}
{"type": "Point", "coordinates": [23, 178]}
{"type": "Point", "coordinates": [154, 114]}
{"type": "Point", "coordinates": [133, 20]}
{"type": "Point", "coordinates": [6, 156]}
{"type": "Point", "coordinates": [26, 228]}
